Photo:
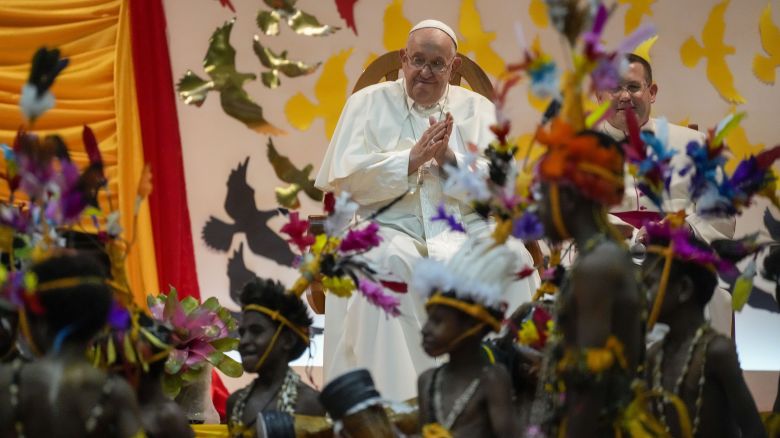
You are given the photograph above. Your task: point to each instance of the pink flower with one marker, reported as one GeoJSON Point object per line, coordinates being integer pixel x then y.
{"type": "Point", "coordinates": [361, 240]}
{"type": "Point", "coordinates": [375, 295]}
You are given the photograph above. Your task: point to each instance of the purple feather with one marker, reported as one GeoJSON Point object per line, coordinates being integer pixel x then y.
{"type": "Point", "coordinates": [442, 215]}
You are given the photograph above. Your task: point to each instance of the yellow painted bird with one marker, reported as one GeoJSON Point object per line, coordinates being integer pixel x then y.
{"type": "Point", "coordinates": [637, 9]}
{"type": "Point", "coordinates": [331, 93]}
{"type": "Point", "coordinates": [714, 50]}
{"type": "Point", "coordinates": [764, 66]}
{"type": "Point", "coordinates": [476, 40]}
{"type": "Point", "coordinates": [220, 64]}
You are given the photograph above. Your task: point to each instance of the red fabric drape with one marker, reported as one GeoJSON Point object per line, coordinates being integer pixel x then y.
{"type": "Point", "coordinates": [162, 148]}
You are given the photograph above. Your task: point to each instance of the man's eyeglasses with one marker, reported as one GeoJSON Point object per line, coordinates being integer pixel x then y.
{"type": "Point", "coordinates": [438, 66]}
{"type": "Point", "coordinates": [631, 88]}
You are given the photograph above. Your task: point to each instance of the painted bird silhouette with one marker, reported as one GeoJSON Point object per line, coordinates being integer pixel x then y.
{"type": "Point", "coordinates": [714, 50]}
{"type": "Point", "coordinates": [477, 40]}
{"type": "Point", "coordinates": [637, 9]}
{"type": "Point", "coordinates": [248, 219]}
{"type": "Point", "coordinates": [220, 64]}
{"type": "Point", "coordinates": [300, 22]}
{"type": "Point", "coordinates": [238, 274]}
{"type": "Point", "coordinates": [278, 63]}
{"type": "Point", "coordinates": [331, 93]}
{"type": "Point", "coordinates": [764, 66]}
{"type": "Point", "coordinates": [297, 178]}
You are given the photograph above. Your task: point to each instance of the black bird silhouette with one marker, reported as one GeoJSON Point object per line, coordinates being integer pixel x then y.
{"type": "Point", "coordinates": [238, 274]}
{"type": "Point", "coordinates": [241, 207]}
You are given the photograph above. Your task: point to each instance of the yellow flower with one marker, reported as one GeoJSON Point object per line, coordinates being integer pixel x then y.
{"type": "Point", "coordinates": [319, 244]}
{"type": "Point", "coordinates": [30, 281]}
{"type": "Point", "coordinates": [528, 334]}
{"type": "Point", "coordinates": [599, 359]}
{"type": "Point", "coordinates": [503, 228]}
{"type": "Point", "coordinates": [339, 286]}
{"type": "Point", "coordinates": [435, 430]}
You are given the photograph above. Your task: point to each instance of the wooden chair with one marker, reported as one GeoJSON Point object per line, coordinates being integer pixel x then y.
{"type": "Point", "coordinates": [386, 67]}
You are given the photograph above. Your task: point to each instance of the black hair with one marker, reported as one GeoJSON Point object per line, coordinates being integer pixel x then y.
{"type": "Point", "coordinates": [272, 294]}
{"type": "Point", "coordinates": [83, 307]}
{"type": "Point", "coordinates": [636, 59]}
{"type": "Point", "coordinates": [704, 280]}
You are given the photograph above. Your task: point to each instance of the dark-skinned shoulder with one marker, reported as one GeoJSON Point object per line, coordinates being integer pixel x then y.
{"type": "Point", "coordinates": [308, 401]}
{"type": "Point", "coordinates": [606, 257]}
{"type": "Point", "coordinates": [721, 355]}
{"type": "Point", "coordinates": [495, 376]}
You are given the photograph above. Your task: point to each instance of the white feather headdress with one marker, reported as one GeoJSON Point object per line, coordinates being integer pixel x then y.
{"type": "Point", "coordinates": [480, 271]}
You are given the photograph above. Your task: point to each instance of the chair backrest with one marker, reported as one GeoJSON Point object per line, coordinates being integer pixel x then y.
{"type": "Point", "coordinates": [386, 67]}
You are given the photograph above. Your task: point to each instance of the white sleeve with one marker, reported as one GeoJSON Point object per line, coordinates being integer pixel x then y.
{"type": "Point", "coordinates": [356, 161]}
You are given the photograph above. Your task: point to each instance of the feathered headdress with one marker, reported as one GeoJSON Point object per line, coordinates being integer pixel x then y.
{"type": "Point", "coordinates": [335, 256]}
{"type": "Point", "coordinates": [474, 280]}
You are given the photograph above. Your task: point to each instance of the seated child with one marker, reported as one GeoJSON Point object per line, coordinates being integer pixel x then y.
{"type": "Point", "coordinates": [599, 305]}
{"type": "Point", "coordinates": [61, 393]}
{"type": "Point", "coordinates": [468, 396]}
{"type": "Point", "coordinates": [274, 330]}
{"type": "Point", "coordinates": [693, 361]}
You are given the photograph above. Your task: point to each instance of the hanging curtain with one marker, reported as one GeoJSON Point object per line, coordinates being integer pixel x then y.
{"type": "Point", "coordinates": [170, 213]}
{"type": "Point", "coordinates": [97, 89]}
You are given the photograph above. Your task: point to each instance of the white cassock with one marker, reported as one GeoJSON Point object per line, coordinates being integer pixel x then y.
{"type": "Point", "coordinates": [368, 157]}
{"type": "Point", "coordinates": [706, 229]}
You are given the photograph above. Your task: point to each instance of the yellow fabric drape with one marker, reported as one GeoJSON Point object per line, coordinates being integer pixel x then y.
{"type": "Point", "coordinates": [97, 88]}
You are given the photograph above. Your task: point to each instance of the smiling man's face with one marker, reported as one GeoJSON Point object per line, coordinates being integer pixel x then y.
{"type": "Point", "coordinates": [635, 92]}
{"type": "Point", "coordinates": [427, 63]}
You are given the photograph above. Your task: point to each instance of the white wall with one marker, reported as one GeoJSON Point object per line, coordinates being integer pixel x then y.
{"type": "Point", "coordinates": [213, 143]}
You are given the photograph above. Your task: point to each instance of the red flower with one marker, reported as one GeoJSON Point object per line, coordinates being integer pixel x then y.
{"type": "Point", "coordinates": [298, 231]}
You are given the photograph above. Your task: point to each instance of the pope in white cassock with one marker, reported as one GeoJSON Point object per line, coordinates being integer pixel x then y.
{"type": "Point", "coordinates": [394, 138]}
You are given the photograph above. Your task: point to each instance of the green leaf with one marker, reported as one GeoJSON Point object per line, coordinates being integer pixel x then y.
{"type": "Point", "coordinates": [211, 303]}
{"type": "Point", "coordinates": [154, 340]}
{"type": "Point", "coordinates": [225, 344]}
{"type": "Point", "coordinates": [171, 301]}
{"type": "Point", "coordinates": [189, 304]}
{"type": "Point", "coordinates": [174, 363]}
{"type": "Point", "coordinates": [191, 375]}
{"type": "Point", "coordinates": [110, 350]}
{"type": "Point", "coordinates": [171, 385]}
{"type": "Point", "coordinates": [96, 356]}
{"type": "Point", "coordinates": [129, 350]}
{"type": "Point", "coordinates": [230, 367]}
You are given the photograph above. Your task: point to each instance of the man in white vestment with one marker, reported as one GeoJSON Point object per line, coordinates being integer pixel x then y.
{"type": "Point", "coordinates": [394, 138]}
{"type": "Point", "coordinates": [638, 91]}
